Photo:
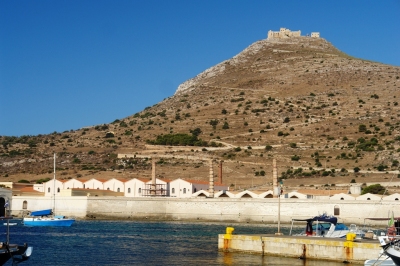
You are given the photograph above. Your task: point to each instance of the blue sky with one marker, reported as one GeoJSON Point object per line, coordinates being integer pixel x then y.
{"type": "Point", "coordinates": [69, 64]}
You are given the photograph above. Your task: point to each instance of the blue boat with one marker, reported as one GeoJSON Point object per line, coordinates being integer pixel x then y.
{"type": "Point", "coordinates": [50, 220]}
{"type": "Point", "coordinates": [46, 218]}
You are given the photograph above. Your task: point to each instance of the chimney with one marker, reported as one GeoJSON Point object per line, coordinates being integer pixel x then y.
{"type": "Point", "coordinates": [275, 178]}
{"type": "Point", "coordinates": [211, 188]}
{"type": "Point", "coordinates": [220, 172]}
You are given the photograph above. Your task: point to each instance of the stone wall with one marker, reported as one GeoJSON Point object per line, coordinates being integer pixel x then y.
{"type": "Point", "coordinates": [206, 209]}
{"type": "Point", "coordinates": [70, 206]}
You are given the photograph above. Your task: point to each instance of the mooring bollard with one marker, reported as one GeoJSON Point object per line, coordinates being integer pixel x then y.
{"type": "Point", "coordinates": [228, 237]}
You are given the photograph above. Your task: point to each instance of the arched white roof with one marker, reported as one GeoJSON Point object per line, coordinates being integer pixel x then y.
{"type": "Point", "coordinates": [201, 192]}
{"type": "Point", "coordinates": [369, 196]}
{"type": "Point", "coordinates": [393, 197]}
{"type": "Point", "coordinates": [246, 192]}
{"type": "Point", "coordinates": [296, 194]}
{"type": "Point", "coordinates": [219, 193]}
{"type": "Point", "coordinates": [342, 196]}
{"type": "Point", "coordinates": [265, 194]}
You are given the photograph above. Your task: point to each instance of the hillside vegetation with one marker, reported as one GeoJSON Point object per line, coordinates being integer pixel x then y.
{"type": "Point", "coordinates": [326, 117]}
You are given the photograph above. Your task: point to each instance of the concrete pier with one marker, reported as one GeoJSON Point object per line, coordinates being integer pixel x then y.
{"type": "Point", "coordinates": [319, 248]}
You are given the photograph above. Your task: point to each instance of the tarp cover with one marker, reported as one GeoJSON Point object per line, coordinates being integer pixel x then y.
{"type": "Point", "coordinates": [41, 213]}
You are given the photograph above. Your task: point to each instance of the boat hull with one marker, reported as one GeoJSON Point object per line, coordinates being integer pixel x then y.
{"type": "Point", "coordinates": [47, 222]}
{"type": "Point", "coordinates": [18, 252]}
{"type": "Point", "coordinates": [394, 253]}
{"type": "Point", "coordinates": [387, 262]}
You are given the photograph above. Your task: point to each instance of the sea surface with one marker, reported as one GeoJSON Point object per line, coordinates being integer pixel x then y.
{"type": "Point", "coordinates": [141, 243]}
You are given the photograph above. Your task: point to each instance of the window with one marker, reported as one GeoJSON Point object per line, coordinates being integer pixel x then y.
{"type": "Point", "coordinates": [118, 190]}
{"type": "Point", "coordinates": [25, 205]}
{"type": "Point", "coordinates": [173, 190]}
{"type": "Point", "coordinates": [140, 191]}
{"type": "Point", "coordinates": [396, 199]}
{"type": "Point", "coordinates": [84, 185]}
{"type": "Point", "coordinates": [184, 191]}
{"type": "Point", "coordinates": [129, 190]}
{"type": "Point", "coordinates": [48, 189]}
{"type": "Point", "coordinates": [58, 190]}
{"type": "Point", "coordinates": [67, 187]}
{"type": "Point", "coordinates": [108, 188]}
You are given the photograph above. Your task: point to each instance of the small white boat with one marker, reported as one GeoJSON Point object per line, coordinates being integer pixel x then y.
{"type": "Point", "coordinates": [10, 224]}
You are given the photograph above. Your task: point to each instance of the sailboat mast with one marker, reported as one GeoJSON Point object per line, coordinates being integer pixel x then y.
{"type": "Point", "coordinates": [54, 185]}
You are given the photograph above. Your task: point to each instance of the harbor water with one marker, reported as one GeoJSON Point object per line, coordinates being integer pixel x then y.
{"type": "Point", "coordinates": [141, 243]}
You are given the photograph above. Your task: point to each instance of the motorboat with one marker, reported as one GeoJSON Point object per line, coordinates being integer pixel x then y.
{"type": "Point", "coordinates": [389, 255]}
{"type": "Point", "coordinates": [326, 226]}
{"type": "Point", "coordinates": [391, 248]}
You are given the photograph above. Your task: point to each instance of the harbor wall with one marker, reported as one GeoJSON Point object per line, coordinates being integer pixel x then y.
{"type": "Point", "coordinates": [70, 206]}
{"type": "Point", "coordinates": [206, 209]}
{"type": "Point", "coordinates": [329, 249]}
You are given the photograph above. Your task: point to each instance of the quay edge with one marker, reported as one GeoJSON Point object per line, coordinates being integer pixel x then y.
{"type": "Point", "coordinates": [316, 248]}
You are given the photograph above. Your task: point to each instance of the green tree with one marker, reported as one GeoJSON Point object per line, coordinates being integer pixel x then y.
{"type": "Point", "coordinates": [374, 189]}
{"type": "Point", "coordinates": [214, 123]}
{"type": "Point", "coordinates": [295, 158]}
{"type": "Point", "coordinates": [362, 128]}
{"type": "Point", "coordinates": [196, 132]}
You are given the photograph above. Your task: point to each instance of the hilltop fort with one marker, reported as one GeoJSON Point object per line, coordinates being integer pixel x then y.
{"type": "Point", "coordinates": [286, 33]}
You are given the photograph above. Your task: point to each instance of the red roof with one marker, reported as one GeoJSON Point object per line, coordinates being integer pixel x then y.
{"type": "Point", "coordinates": [29, 189]}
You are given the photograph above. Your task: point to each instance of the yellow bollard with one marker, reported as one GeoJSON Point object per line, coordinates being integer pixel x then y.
{"type": "Point", "coordinates": [229, 231]}
{"type": "Point", "coordinates": [349, 245]}
{"type": "Point", "coordinates": [350, 236]}
{"type": "Point", "coordinates": [349, 240]}
{"type": "Point", "coordinates": [227, 238]}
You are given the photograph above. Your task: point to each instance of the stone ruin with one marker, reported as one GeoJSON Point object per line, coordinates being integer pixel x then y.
{"type": "Point", "coordinates": [286, 33]}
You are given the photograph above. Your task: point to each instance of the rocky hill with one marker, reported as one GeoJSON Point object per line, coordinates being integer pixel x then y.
{"type": "Point", "coordinates": [327, 118]}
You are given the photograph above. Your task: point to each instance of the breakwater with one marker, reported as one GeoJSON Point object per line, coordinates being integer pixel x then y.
{"type": "Point", "coordinates": [204, 209]}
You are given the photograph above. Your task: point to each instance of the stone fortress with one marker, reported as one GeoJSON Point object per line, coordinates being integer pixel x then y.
{"type": "Point", "coordinates": [286, 33]}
